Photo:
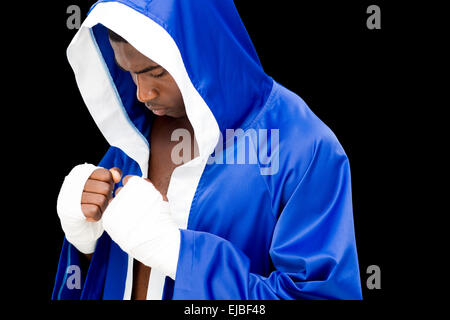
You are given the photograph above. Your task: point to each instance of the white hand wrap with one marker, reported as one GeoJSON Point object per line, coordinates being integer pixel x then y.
{"type": "Point", "coordinates": [79, 232]}
{"type": "Point", "coordinates": [139, 221]}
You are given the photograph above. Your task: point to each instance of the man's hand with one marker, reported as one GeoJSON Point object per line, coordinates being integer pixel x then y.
{"type": "Point", "coordinates": [97, 192]}
{"type": "Point", "coordinates": [140, 222]}
{"type": "Point", "coordinates": [83, 197]}
{"type": "Point", "coordinates": [125, 180]}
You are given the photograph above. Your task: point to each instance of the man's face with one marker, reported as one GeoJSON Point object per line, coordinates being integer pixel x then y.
{"type": "Point", "coordinates": [155, 86]}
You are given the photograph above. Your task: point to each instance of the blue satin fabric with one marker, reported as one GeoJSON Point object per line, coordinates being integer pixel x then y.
{"type": "Point", "coordinates": [289, 235]}
{"type": "Point", "coordinates": [283, 236]}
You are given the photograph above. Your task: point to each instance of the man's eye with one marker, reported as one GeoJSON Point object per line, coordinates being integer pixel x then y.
{"type": "Point", "coordinates": [159, 75]}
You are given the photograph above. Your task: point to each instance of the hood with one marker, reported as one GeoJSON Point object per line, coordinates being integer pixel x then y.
{"type": "Point", "coordinates": [203, 44]}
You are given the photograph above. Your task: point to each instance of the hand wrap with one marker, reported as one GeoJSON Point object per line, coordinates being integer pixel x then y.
{"type": "Point", "coordinates": [139, 221]}
{"type": "Point", "coordinates": [79, 232]}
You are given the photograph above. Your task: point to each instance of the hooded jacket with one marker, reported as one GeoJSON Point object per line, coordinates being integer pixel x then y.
{"type": "Point", "coordinates": [280, 227]}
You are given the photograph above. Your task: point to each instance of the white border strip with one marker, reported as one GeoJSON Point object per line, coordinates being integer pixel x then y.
{"type": "Point", "coordinates": [102, 99]}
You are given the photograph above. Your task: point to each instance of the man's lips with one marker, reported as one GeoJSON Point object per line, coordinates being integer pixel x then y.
{"type": "Point", "coordinates": [156, 109]}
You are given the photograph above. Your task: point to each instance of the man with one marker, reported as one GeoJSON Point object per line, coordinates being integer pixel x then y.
{"type": "Point", "coordinates": [154, 220]}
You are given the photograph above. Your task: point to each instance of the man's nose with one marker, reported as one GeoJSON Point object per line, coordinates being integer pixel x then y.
{"type": "Point", "coordinates": [146, 91]}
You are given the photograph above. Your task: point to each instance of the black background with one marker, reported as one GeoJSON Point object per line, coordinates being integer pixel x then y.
{"type": "Point", "coordinates": [322, 50]}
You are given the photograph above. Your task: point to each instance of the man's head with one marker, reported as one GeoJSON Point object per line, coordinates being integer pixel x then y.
{"type": "Point", "coordinates": [155, 86]}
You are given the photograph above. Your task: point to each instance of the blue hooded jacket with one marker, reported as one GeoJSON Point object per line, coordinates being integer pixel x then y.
{"type": "Point", "coordinates": [280, 227]}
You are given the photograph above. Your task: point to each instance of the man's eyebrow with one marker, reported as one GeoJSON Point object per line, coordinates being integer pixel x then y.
{"type": "Point", "coordinates": [139, 72]}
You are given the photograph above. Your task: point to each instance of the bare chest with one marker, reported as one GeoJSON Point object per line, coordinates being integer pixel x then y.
{"type": "Point", "coordinates": [167, 147]}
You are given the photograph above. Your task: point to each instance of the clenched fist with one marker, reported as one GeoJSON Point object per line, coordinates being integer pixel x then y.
{"type": "Point", "coordinates": [97, 192]}
{"type": "Point", "coordinates": [83, 198]}
{"type": "Point", "coordinates": [141, 223]}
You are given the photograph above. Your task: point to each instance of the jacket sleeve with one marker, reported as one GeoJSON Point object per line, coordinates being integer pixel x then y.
{"type": "Point", "coordinates": [313, 248]}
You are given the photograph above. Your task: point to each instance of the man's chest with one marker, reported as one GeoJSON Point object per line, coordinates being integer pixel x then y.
{"type": "Point", "coordinates": [165, 152]}
{"type": "Point", "coordinates": [160, 168]}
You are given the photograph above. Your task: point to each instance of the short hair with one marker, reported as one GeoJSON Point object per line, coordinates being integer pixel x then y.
{"type": "Point", "coordinates": [115, 37]}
